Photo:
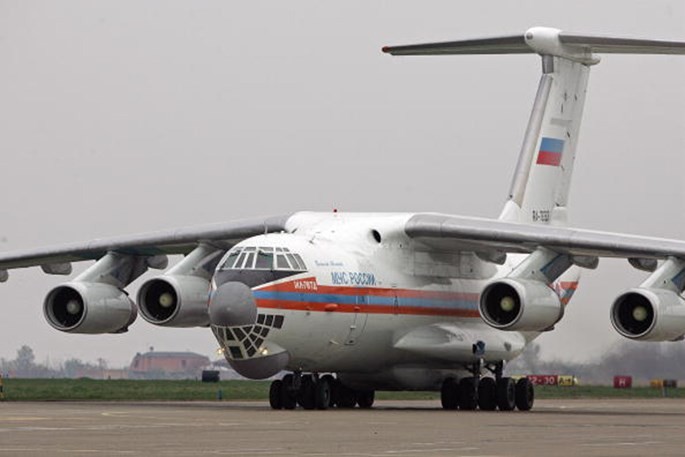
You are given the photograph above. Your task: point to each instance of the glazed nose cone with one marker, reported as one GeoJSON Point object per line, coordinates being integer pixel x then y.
{"type": "Point", "coordinates": [232, 304]}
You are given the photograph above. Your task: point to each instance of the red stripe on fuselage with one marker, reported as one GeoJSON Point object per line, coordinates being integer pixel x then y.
{"type": "Point", "coordinates": [368, 309]}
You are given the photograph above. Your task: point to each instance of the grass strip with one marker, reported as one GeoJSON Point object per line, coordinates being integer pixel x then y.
{"type": "Point", "coordinates": [188, 390]}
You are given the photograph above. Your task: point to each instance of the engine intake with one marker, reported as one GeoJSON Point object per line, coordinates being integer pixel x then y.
{"type": "Point", "coordinates": [520, 304]}
{"type": "Point", "coordinates": [175, 301]}
{"type": "Point", "coordinates": [649, 314]}
{"type": "Point", "coordinates": [81, 307]}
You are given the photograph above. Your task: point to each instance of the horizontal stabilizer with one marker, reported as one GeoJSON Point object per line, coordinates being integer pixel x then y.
{"type": "Point", "coordinates": [515, 44]}
{"type": "Point", "coordinates": [609, 45]}
{"type": "Point", "coordinates": [544, 41]}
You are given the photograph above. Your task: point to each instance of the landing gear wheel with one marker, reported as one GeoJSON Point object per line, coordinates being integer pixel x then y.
{"type": "Point", "coordinates": [322, 394]}
{"type": "Point", "coordinates": [288, 400]}
{"type": "Point", "coordinates": [467, 394]}
{"type": "Point", "coordinates": [347, 397]}
{"type": "Point", "coordinates": [306, 395]}
{"type": "Point", "coordinates": [449, 394]}
{"type": "Point", "coordinates": [276, 395]}
{"type": "Point", "coordinates": [487, 394]}
{"type": "Point", "coordinates": [365, 398]}
{"type": "Point", "coordinates": [506, 394]}
{"type": "Point", "coordinates": [525, 394]}
{"type": "Point", "coordinates": [333, 383]}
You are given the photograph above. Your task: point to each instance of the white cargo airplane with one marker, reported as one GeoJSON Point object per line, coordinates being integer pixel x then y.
{"type": "Point", "coordinates": [390, 301]}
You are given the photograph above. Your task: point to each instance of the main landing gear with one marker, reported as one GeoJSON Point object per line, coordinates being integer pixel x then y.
{"type": "Point", "coordinates": [487, 393]}
{"type": "Point", "coordinates": [314, 392]}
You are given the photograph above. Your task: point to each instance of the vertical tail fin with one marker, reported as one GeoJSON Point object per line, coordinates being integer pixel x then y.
{"type": "Point", "coordinates": [541, 182]}
{"type": "Point", "coordinates": [540, 187]}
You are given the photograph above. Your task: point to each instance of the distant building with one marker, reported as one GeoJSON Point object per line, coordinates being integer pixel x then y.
{"type": "Point", "coordinates": [167, 365]}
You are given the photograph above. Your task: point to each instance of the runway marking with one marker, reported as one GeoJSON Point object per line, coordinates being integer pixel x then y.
{"type": "Point", "coordinates": [624, 443]}
{"type": "Point", "coordinates": [423, 451]}
{"type": "Point", "coordinates": [112, 427]}
{"type": "Point", "coordinates": [385, 453]}
{"type": "Point", "coordinates": [66, 451]}
{"type": "Point", "coordinates": [20, 418]}
{"type": "Point", "coordinates": [438, 443]}
{"type": "Point", "coordinates": [256, 451]}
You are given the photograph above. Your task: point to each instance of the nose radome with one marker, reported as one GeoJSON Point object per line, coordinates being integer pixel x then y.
{"type": "Point", "coordinates": [232, 304]}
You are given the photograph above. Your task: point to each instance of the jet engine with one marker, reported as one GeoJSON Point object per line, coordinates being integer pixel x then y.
{"type": "Point", "coordinates": [520, 304]}
{"type": "Point", "coordinates": [83, 307]}
{"type": "Point", "coordinates": [175, 301]}
{"type": "Point", "coordinates": [649, 314]}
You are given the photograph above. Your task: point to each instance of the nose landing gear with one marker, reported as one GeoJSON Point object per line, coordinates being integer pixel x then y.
{"type": "Point", "coordinates": [313, 392]}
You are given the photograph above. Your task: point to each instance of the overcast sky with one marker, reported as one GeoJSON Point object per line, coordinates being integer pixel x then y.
{"type": "Point", "coordinates": [118, 117]}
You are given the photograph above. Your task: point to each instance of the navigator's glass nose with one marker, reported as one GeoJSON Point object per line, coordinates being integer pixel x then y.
{"type": "Point", "coordinates": [231, 304]}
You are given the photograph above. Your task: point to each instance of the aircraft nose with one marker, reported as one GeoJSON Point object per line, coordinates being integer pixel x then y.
{"type": "Point", "coordinates": [232, 304]}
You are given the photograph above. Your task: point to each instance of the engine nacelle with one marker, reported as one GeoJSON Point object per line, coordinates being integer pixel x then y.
{"type": "Point", "coordinates": [86, 307]}
{"type": "Point", "coordinates": [175, 301]}
{"type": "Point", "coordinates": [649, 315]}
{"type": "Point", "coordinates": [520, 304]}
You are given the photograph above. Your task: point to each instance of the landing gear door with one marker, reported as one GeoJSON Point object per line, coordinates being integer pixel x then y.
{"type": "Point", "coordinates": [359, 320]}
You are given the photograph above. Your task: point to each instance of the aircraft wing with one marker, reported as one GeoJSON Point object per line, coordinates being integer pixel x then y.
{"type": "Point", "coordinates": [177, 241]}
{"type": "Point", "coordinates": [447, 232]}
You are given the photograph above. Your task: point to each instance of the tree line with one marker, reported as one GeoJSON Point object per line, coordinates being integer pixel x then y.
{"type": "Point", "coordinates": [643, 361]}
{"type": "Point", "coordinates": [24, 366]}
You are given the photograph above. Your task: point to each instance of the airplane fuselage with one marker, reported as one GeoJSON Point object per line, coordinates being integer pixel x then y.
{"type": "Point", "coordinates": [348, 293]}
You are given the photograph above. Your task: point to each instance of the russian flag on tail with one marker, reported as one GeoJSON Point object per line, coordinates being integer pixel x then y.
{"type": "Point", "coordinates": [550, 153]}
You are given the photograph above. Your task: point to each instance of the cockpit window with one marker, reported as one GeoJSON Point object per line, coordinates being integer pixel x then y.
{"type": "Point", "coordinates": [300, 262]}
{"type": "Point", "coordinates": [292, 261]}
{"type": "Point", "coordinates": [282, 262]}
{"type": "Point", "coordinates": [249, 261]}
{"type": "Point", "coordinates": [263, 258]}
{"type": "Point", "coordinates": [230, 260]}
{"type": "Point", "coordinates": [240, 261]}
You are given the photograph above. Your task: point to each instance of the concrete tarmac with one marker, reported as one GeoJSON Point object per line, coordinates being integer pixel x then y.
{"type": "Point", "coordinates": [392, 428]}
